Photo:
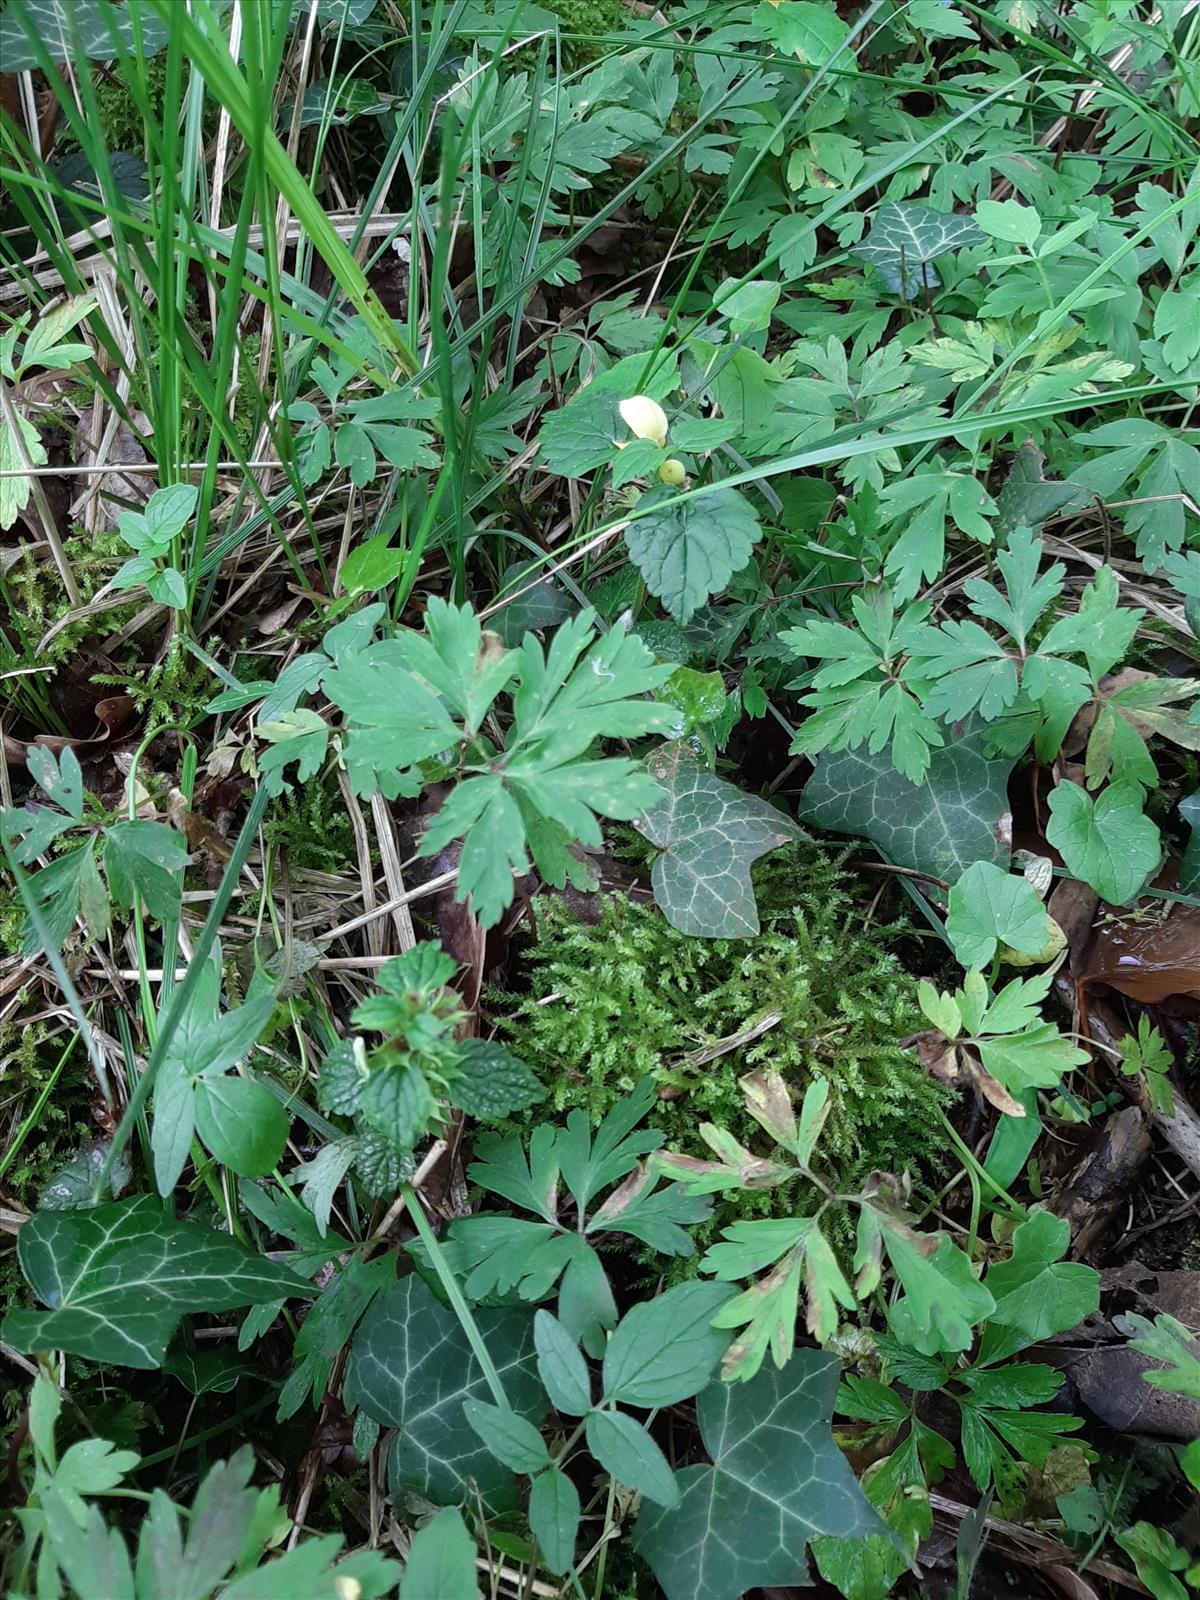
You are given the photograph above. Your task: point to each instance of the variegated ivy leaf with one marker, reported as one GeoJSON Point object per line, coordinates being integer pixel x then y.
{"type": "Point", "coordinates": [906, 239]}
{"type": "Point", "coordinates": [710, 834]}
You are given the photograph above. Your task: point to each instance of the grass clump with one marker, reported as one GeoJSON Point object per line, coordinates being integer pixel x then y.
{"type": "Point", "coordinates": [605, 1005]}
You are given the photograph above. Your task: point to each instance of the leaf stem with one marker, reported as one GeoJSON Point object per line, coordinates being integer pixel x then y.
{"type": "Point", "coordinates": [455, 1296]}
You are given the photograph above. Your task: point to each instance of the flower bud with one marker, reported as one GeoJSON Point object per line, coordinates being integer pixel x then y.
{"type": "Point", "coordinates": [645, 418]}
{"type": "Point", "coordinates": [671, 472]}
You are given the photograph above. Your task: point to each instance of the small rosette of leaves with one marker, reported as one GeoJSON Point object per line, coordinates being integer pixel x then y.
{"type": "Point", "coordinates": [397, 1089]}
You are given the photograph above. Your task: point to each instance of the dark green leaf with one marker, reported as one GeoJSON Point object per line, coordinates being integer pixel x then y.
{"type": "Point", "coordinates": [511, 1439]}
{"type": "Point", "coordinates": [441, 1561]}
{"type": "Point", "coordinates": [241, 1123]}
{"type": "Point", "coordinates": [148, 857]}
{"type": "Point", "coordinates": [624, 1449]}
{"type": "Point", "coordinates": [120, 1277]}
{"type": "Point", "coordinates": [491, 1082]}
{"type": "Point", "coordinates": [554, 1517]}
{"type": "Point", "coordinates": [666, 1349]}
{"type": "Point", "coordinates": [689, 550]}
{"type": "Point", "coordinates": [411, 1368]}
{"type": "Point", "coordinates": [744, 1521]}
{"type": "Point", "coordinates": [562, 1369]}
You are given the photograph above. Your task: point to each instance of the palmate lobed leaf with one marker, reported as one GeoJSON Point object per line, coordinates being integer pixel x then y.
{"type": "Point", "coordinates": [119, 1278]}
{"type": "Point", "coordinates": [710, 833]}
{"type": "Point", "coordinates": [411, 1368]}
{"type": "Point", "coordinates": [777, 1478]}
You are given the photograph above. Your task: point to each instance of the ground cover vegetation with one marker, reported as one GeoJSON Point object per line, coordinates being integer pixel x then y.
{"type": "Point", "coordinates": [600, 799]}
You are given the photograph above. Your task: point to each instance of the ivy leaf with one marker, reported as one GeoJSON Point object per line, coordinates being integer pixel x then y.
{"type": "Point", "coordinates": [688, 550]}
{"type": "Point", "coordinates": [98, 29]}
{"type": "Point", "coordinates": [121, 1276]}
{"type": "Point", "coordinates": [905, 239]}
{"type": "Point", "coordinates": [1110, 843]}
{"type": "Point", "coordinates": [149, 857]}
{"type": "Point", "coordinates": [744, 1521]}
{"type": "Point", "coordinates": [953, 818]}
{"type": "Point", "coordinates": [411, 1368]}
{"type": "Point", "coordinates": [989, 908]}
{"type": "Point", "coordinates": [710, 834]}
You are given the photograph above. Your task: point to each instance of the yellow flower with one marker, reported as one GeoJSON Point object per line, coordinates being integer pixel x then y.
{"type": "Point", "coordinates": [645, 418]}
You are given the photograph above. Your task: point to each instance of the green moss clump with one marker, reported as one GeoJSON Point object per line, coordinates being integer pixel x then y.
{"type": "Point", "coordinates": [607, 1004]}
{"type": "Point", "coordinates": [312, 826]}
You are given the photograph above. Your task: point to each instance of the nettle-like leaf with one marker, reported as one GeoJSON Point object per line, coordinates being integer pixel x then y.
{"type": "Point", "coordinates": [688, 550]}
{"type": "Point", "coordinates": [1001, 1044]}
{"type": "Point", "coordinates": [120, 1277]}
{"type": "Point", "coordinates": [864, 695]}
{"type": "Point", "coordinates": [990, 908]}
{"type": "Point", "coordinates": [744, 1521]}
{"type": "Point", "coordinates": [1109, 842]}
{"type": "Point", "coordinates": [955, 816]}
{"type": "Point", "coordinates": [412, 1367]}
{"type": "Point", "coordinates": [499, 1255]}
{"type": "Point", "coordinates": [710, 834]}
{"type": "Point", "coordinates": [905, 239]}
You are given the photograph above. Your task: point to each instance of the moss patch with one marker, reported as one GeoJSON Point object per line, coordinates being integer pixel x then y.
{"type": "Point", "coordinates": [605, 1005]}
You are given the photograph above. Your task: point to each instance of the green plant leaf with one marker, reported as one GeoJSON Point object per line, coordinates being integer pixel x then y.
{"type": "Point", "coordinates": [441, 1561]}
{"type": "Point", "coordinates": [1037, 1294]}
{"type": "Point", "coordinates": [1110, 843]}
{"type": "Point", "coordinates": [626, 1451]}
{"type": "Point", "coordinates": [989, 908]}
{"type": "Point", "coordinates": [491, 1083]}
{"type": "Point", "coordinates": [511, 1439]}
{"type": "Point", "coordinates": [148, 857]}
{"type": "Point", "coordinates": [744, 1521]}
{"type": "Point", "coordinates": [120, 1277]}
{"type": "Point", "coordinates": [561, 1367]}
{"type": "Point", "coordinates": [664, 1350]}
{"type": "Point", "coordinates": [940, 826]}
{"type": "Point", "coordinates": [689, 550]}
{"type": "Point", "coordinates": [96, 28]}
{"type": "Point", "coordinates": [943, 1300]}
{"type": "Point", "coordinates": [1168, 1341]}
{"type": "Point", "coordinates": [241, 1122]}
{"type": "Point", "coordinates": [554, 1517]}
{"type": "Point", "coordinates": [411, 1368]}
{"type": "Point", "coordinates": [710, 834]}
{"type": "Point", "coordinates": [904, 240]}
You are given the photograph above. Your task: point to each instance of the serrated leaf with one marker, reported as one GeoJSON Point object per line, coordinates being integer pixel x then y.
{"type": "Point", "coordinates": [710, 834]}
{"type": "Point", "coordinates": [120, 1277]}
{"type": "Point", "coordinates": [688, 550]}
{"type": "Point", "coordinates": [1109, 842]}
{"type": "Point", "coordinates": [744, 1521]}
{"type": "Point", "coordinates": [411, 1368]}
{"type": "Point", "coordinates": [491, 1083]}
